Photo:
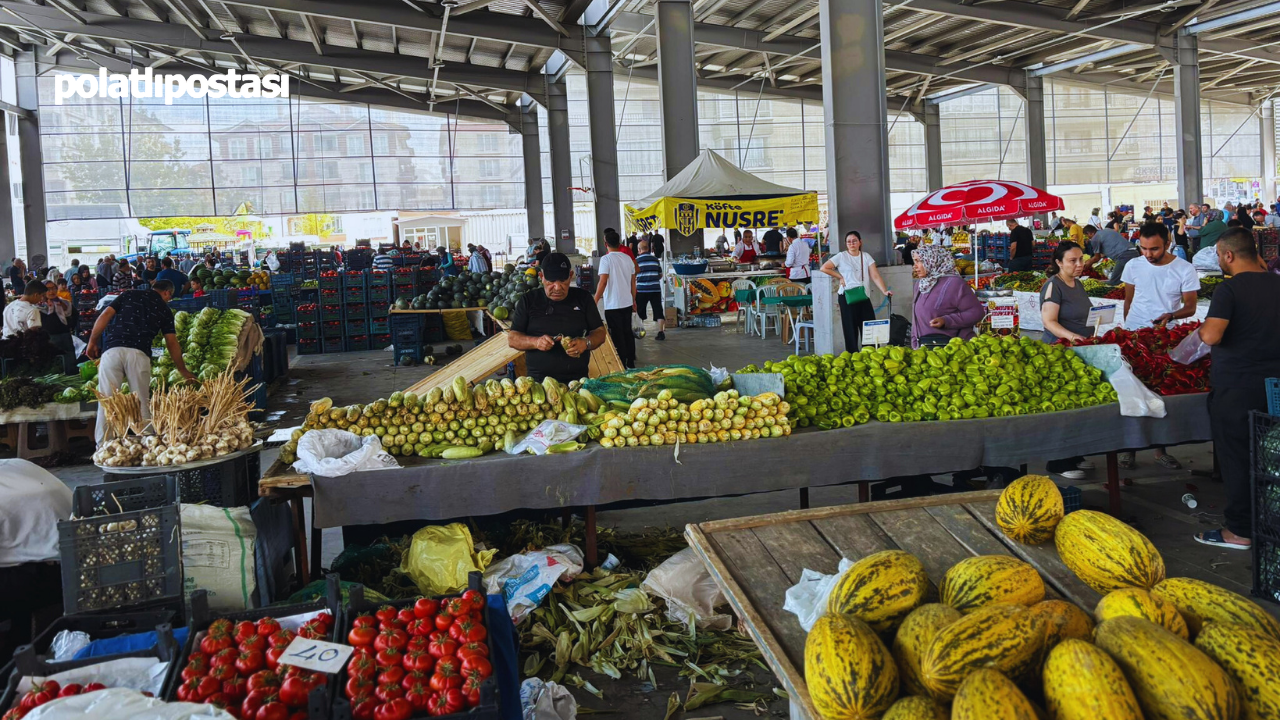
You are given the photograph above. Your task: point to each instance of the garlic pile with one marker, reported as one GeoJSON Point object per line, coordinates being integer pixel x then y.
{"type": "Point", "coordinates": [119, 452]}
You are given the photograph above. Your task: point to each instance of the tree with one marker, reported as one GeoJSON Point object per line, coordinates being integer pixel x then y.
{"type": "Point", "coordinates": [318, 224]}
{"type": "Point", "coordinates": [155, 162]}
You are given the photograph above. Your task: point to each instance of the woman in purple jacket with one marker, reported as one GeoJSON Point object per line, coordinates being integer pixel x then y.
{"type": "Point", "coordinates": [944, 303]}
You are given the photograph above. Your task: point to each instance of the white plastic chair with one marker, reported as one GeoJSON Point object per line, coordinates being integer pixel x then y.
{"type": "Point", "coordinates": [765, 313]}
{"type": "Point", "coordinates": [743, 317]}
{"type": "Point", "coordinates": [798, 328]}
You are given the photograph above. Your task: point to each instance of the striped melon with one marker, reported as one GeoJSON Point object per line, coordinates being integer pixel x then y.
{"type": "Point", "coordinates": [880, 589]}
{"type": "Point", "coordinates": [986, 580]}
{"type": "Point", "coordinates": [1001, 637]}
{"type": "Point", "coordinates": [1141, 603]}
{"type": "Point", "coordinates": [1106, 553]}
{"type": "Point", "coordinates": [850, 674]}
{"type": "Point", "coordinates": [1170, 677]}
{"type": "Point", "coordinates": [915, 707]}
{"type": "Point", "coordinates": [1252, 659]}
{"type": "Point", "coordinates": [1081, 682]}
{"type": "Point", "coordinates": [1201, 602]}
{"type": "Point", "coordinates": [988, 695]}
{"type": "Point", "coordinates": [913, 638]}
{"type": "Point", "coordinates": [1061, 620]}
{"type": "Point", "coordinates": [1029, 509]}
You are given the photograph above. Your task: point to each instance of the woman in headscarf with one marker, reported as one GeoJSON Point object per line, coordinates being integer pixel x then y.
{"type": "Point", "coordinates": [1213, 227]}
{"type": "Point", "coordinates": [446, 261]}
{"type": "Point", "coordinates": [55, 317]}
{"type": "Point", "coordinates": [944, 303]}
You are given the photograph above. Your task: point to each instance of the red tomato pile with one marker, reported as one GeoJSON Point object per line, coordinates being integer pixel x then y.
{"type": "Point", "coordinates": [41, 693]}
{"type": "Point", "coordinates": [431, 657]}
{"type": "Point", "coordinates": [237, 668]}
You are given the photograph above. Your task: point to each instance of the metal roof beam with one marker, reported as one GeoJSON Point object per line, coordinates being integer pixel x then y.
{"type": "Point", "coordinates": [1043, 17]}
{"type": "Point", "coordinates": [1093, 57]}
{"type": "Point", "coordinates": [1234, 18]}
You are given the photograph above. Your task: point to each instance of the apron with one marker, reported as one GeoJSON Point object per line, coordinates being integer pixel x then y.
{"type": "Point", "coordinates": [748, 254]}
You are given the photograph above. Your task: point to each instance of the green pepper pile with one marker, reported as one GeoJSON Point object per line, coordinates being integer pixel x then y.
{"type": "Point", "coordinates": [1022, 281]}
{"type": "Point", "coordinates": [1207, 286]}
{"type": "Point", "coordinates": [988, 376]}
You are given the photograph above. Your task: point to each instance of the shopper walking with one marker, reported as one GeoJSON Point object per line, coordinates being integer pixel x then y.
{"type": "Point", "coordinates": [1243, 328]}
{"type": "Point", "coordinates": [1021, 246]}
{"type": "Point", "coordinates": [649, 287]}
{"type": "Point", "coordinates": [122, 338]}
{"type": "Point", "coordinates": [855, 270]}
{"type": "Point", "coordinates": [797, 261]}
{"type": "Point", "coordinates": [617, 286]}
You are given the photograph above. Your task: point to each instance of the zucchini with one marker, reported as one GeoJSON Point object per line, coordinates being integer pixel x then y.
{"type": "Point", "coordinates": [462, 453]}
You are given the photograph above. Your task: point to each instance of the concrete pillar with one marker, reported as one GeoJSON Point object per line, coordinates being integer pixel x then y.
{"type": "Point", "coordinates": [561, 164]}
{"type": "Point", "coordinates": [1267, 118]}
{"type": "Point", "coordinates": [1186, 82]}
{"type": "Point", "coordinates": [857, 144]}
{"type": "Point", "coordinates": [532, 171]}
{"type": "Point", "coordinates": [1037, 163]}
{"type": "Point", "coordinates": [678, 94]}
{"type": "Point", "coordinates": [932, 118]}
{"type": "Point", "coordinates": [8, 244]}
{"type": "Point", "coordinates": [604, 138]}
{"type": "Point", "coordinates": [32, 166]}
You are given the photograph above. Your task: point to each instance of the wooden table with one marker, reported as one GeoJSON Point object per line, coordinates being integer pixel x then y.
{"type": "Point", "coordinates": [754, 560]}
{"type": "Point", "coordinates": [64, 421]}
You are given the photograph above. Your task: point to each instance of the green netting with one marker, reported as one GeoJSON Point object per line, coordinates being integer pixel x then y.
{"type": "Point", "coordinates": [686, 383]}
{"type": "Point", "coordinates": [318, 588]}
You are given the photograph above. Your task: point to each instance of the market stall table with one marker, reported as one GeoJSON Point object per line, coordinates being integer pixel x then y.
{"type": "Point", "coordinates": [17, 425]}
{"type": "Point", "coordinates": [755, 560]}
{"type": "Point", "coordinates": [427, 489]}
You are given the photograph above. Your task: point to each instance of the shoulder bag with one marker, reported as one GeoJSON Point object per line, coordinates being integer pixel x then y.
{"type": "Point", "coordinates": [853, 296]}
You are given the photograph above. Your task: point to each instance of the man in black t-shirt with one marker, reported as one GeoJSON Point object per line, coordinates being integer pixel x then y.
{"type": "Point", "coordinates": [1243, 328]}
{"type": "Point", "coordinates": [772, 242]}
{"type": "Point", "coordinates": [558, 326]}
{"type": "Point", "coordinates": [1021, 248]}
{"type": "Point", "coordinates": [122, 338]}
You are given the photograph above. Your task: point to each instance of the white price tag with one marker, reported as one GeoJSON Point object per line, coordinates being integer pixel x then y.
{"type": "Point", "coordinates": [875, 332]}
{"type": "Point", "coordinates": [1101, 315]}
{"type": "Point", "coordinates": [1002, 317]}
{"type": "Point", "coordinates": [317, 655]}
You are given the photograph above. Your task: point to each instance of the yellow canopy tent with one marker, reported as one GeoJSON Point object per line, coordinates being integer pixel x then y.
{"type": "Point", "coordinates": [712, 192]}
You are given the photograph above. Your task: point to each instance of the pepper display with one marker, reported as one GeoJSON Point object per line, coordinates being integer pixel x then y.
{"type": "Point", "coordinates": [1023, 281]}
{"type": "Point", "coordinates": [1147, 351]}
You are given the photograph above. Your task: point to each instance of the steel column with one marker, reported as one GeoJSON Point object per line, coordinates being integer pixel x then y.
{"type": "Point", "coordinates": [677, 85]}
{"type": "Point", "coordinates": [561, 164]}
{"type": "Point", "coordinates": [532, 171]}
{"type": "Point", "coordinates": [1267, 118]}
{"type": "Point", "coordinates": [857, 142]}
{"type": "Point", "coordinates": [1186, 95]}
{"type": "Point", "coordinates": [1037, 163]}
{"type": "Point", "coordinates": [604, 140]}
{"type": "Point", "coordinates": [32, 158]}
{"type": "Point", "coordinates": [932, 118]}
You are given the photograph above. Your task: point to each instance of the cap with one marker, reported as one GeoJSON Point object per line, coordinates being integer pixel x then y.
{"type": "Point", "coordinates": [556, 267]}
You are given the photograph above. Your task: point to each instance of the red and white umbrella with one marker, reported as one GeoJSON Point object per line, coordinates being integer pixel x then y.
{"type": "Point", "coordinates": [977, 201]}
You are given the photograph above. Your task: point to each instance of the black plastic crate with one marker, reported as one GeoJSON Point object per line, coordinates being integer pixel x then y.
{"type": "Point", "coordinates": [357, 311]}
{"type": "Point", "coordinates": [356, 343]}
{"type": "Point", "coordinates": [356, 326]}
{"type": "Point", "coordinates": [378, 342]}
{"type": "Point", "coordinates": [410, 321]}
{"type": "Point", "coordinates": [330, 312]}
{"type": "Point", "coordinates": [100, 627]}
{"type": "Point", "coordinates": [282, 305]}
{"type": "Point", "coordinates": [331, 329]}
{"type": "Point", "coordinates": [308, 346]}
{"type": "Point", "coordinates": [308, 330]}
{"type": "Point", "coordinates": [354, 295]}
{"type": "Point", "coordinates": [331, 281]}
{"type": "Point", "coordinates": [1265, 445]}
{"type": "Point", "coordinates": [120, 560]}
{"type": "Point", "coordinates": [380, 294]}
{"type": "Point", "coordinates": [331, 345]}
{"type": "Point", "coordinates": [307, 312]}
{"type": "Point", "coordinates": [1266, 567]}
{"type": "Point", "coordinates": [380, 326]}
{"type": "Point", "coordinates": [191, 304]}
{"type": "Point", "coordinates": [329, 296]}
{"type": "Point", "coordinates": [230, 483]}
{"type": "Point", "coordinates": [224, 299]}
{"type": "Point", "coordinates": [124, 495]}
{"type": "Point", "coordinates": [379, 278]}
{"type": "Point", "coordinates": [379, 309]}
{"type": "Point", "coordinates": [352, 279]}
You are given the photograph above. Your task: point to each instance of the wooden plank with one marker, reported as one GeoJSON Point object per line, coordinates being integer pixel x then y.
{"type": "Point", "coordinates": [917, 532]}
{"type": "Point", "coordinates": [969, 532]}
{"type": "Point", "coordinates": [1043, 557]}
{"type": "Point", "coordinates": [798, 546]}
{"type": "Point", "coordinates": [854, 536]}
{"type": "Point", "coordinates": [715, 526]}
{"type": "Point", "coordinates": [604, 360]}
{"type": "Point", "coordinates": [771, 645]}
{"type": "Point", "coordinates": [475, 365]}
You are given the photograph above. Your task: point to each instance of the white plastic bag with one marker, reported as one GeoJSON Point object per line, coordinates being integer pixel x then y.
{"type": "Point", "coordinates": [1191, 349]}
{"type": "Point", "coordinates": [546, 700]}
{"type": "Point", "coordinates": [334, 453]}
{"type": "Point", "coordinates": [124, 704]}
{"type": "Point", "coordinates": [718, 375]}
{"type": "Point", "coordinates": [807, 599]}
{"type": "Point", "coordinates": [273, 262]}
{"type": "Point", "coordinates": [546, 434]}
{"type": "Point", "coordinates": [525, 579]}
{"type": "Point", "coordinates": [1135, 399]}
{"type": "Point", "coordinates": [637, 325]}
{"type": "Point", "coordinates": [217, 555]}
{"type": "Point", "coordinates": [1207, 259]}
{"type": "Point", "coordinates": [691, 595]}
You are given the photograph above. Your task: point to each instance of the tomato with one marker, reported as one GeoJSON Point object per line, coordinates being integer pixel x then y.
{"type": "Point", "coordinates": [362, 708]}
{"type": "Point", "coordinates": [220, 701]}
{"type": "Point", "coordinates": [272, 658]}
{"type": "Point", "coordinates": [388, 692]}
{"type": "Point", "coordinates": [268, 627]}
{"type": "Point", "coordinates": [389, 658]}
{"type": "Point", "coordinates": [94, 687]}
{"type": "Point", "coordinates": [442, 647]}
{"type": "Point", "coordinates": [313, 630]}
{"type": "Point", "coordinates": [426, 607]}
{"type": "Point", "coordinates": [324, 617]}
{"type": "Point", "coordinates": [198, 665]}
{"type": "Point", "coordinates": [70, 689]}
{"type": "Point", "coordinates": [480, 664]}
{"type": "Point", "coordinates": [406, 615]}
{"type": "Point", "coordinates": [466, 650]}
{"type": "Point", "coordinates": [225, 656]}
{"type": "Point", "coordinates": [420, 627]}
{"type": "Point", "coordinates": [281, 639]}
{"type": "Point", "coordinates": [299, 715]}
{"type": "Point", "coordinates": [391, 675]}
{"type": "Point", "coordinates": [365, 621]}
{"type": "Point", "coordinates": [398, 709]}
{"type": "Point", "coordinates": [272, 711]}
{"type": "Point", "coordinates": [245, 630]}
{"type": "Point", "coordinates": [447, 702]}
{"type": "Point", "coordinates": [417, 643]}
{"type": "Point", "coordinates": [443, 620]}
{"type": "Point", "coordinates": [475, 599]}
{"type": "Point", "coordinates": [457, 606]}
{"type": "Point", "coordinates": [362, 666]}
{"type": "Point", "coordinates": [253, 642]}
{"type": "Point", "coordinates": [361, 636]}
{"type": "Point", "coordinates": [255, 700]}
{"type": "Point", "coordinates": [188, 691]}
{"type": "Point", "coordinates": [473, 697]}
{"type": "Point", "coordinates": [264, 680]}
{"type": "Point", "coordinates": [357, 686]}
{"type": "Point", "coordinates": [386, 613]}
{"type": "Point", "coordinates": [236, 688]}
{"type": "Point", "coordinates": [294, 692]}
{"type": "Point", "coordinates": [418, 696]}
{"type": "Point", "coordinates": [14, 714]}
{"type": "Point", "coordinates": [216, 640]}
{"type": "Point", "coordinates": [250, 662]}
{"type": "Point", "coordinates": [208, 686]}
{"type": "Point", "coordinates": [471, 688]}
{"type": "Point", "coordinates": [415, 678]}
{"type": "Point", "coordinates": [420, 661]}
{"type": "Point", "coordinates": [466, 630]}
{"type": "Point", "coordinates": [444, 681]}
{"type": "Point", "coordinates": [223, 673]}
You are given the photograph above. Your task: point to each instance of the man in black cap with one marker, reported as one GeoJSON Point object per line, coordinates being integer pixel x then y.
{"type": "Point", "coordinates": [556, 327]}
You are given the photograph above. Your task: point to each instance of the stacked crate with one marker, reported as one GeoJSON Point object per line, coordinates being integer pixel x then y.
{"type": "Point", "coordinates": [1266, 496]}
{"type": "Point", "coordinates": [406, 335]}
{"type": "Point", "coordinates": [993, 246]}
{"type": "Point", "coordinates": [355, 310]}
{"type": "Point", "coordinates": [403, 283]}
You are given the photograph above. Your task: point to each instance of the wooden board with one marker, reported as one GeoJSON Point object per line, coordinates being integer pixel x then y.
{"type": "Point", "coordinates": [755, 560]}
{"type": "Point", "coordinates": [476, 364]}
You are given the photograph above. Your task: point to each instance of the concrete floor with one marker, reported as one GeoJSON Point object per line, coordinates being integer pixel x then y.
{"type": "Point", "coordinates": [1151, 494]}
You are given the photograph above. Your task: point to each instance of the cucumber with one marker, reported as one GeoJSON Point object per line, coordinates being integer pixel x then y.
{"type": "Point", "coordinates": [462, 453]}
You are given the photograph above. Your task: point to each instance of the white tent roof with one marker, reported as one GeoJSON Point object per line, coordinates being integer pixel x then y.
{"type": "Point", "coordinates": [711, 176]}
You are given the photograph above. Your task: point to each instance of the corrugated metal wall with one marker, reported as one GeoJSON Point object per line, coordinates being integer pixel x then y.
{"type": "Point", "coordinates": [508, 230]}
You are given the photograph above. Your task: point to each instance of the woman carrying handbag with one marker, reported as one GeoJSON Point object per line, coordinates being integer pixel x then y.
{"type": "Point", "coordinates": [853, 268]}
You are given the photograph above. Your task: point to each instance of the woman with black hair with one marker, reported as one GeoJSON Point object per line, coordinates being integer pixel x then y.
{"type": "Point", "coordinates": [1064, 310]}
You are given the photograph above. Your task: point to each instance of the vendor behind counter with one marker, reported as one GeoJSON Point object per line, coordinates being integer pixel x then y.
{"type": "Point", "coordinates": [558, 326]}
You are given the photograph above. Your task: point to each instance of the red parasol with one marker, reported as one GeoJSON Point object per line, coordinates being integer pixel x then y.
{"type": "Point", "coordinates": [977, 201]}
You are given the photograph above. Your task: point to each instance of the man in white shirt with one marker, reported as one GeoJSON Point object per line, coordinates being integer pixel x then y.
{"type": "Point", "coordinates": [1158, 290]}
{"type": "Point", "coordinates": [22, 314]}
{"type": "Point", "coordinates": [746, 250]}
{"type": "Point", "coordinates": [617, 285]}
{"type": "Point", "coordinates": [797, 261]}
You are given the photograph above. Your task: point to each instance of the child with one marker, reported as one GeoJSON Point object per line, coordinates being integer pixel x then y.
{"type": "Point", "coordinates": [63, 291]}
{"type": "Point", "coordinates": [197, 287]}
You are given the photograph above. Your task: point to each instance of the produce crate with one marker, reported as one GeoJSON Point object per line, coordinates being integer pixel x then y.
{"type": "Point", "coordinates": [410, 321]}
{"type": "Point", "coordinates": [106, 567]}
{"type": "Point", "coordinates": [354, 295]}
{"type": "Point", "coordinates": [380, 293]}
{"type": "Point", "coordinates": [282, 305]}
{"type": "Point", "coordinates": [379, 278]}
{"type": "Point", "coordinates": [360, 258]}
{"type": "Point", "coordinates": [1265, 479]}
{"type": "Point", "coordinates": [330, 312]}
{"type": "Point", "coordinates": [1266, 567]}
{"type": "Point", "coordinates": [124, 495]}
{"type": "Point", "coordinates": [331, 345]}
{"type": "Point", "coordinates": [308, 346]}
{"type": "Point", "coordinates": [329, 296]}
{"type": "Point", "coordinates": [230, 483]}
{"type": "Point", "coordinates": [1071, 498]}
{"type": "Point", "coordinates": [356, 311]}
{"type": "Point", "coordinates": [308, 330]}
{"type": "Point", "coordinates": [224, 299]}
{"type": "Point", "coordinates": [307, 312]}
{"type": "Point", "coordinates": [356, 343]}
{"type": "Point", "coordinates": [379, 309]}
{"type": "Point", "coordinates": [426, 279]}
{"type": "Point", "coordinates": [433, 328]}
{"type": "Point", "coordinates": [378, 342]}
{"type": "Point", "coordinates": [331, 329]}
{"type": "Point", "coordinates": [355, 279]}
{"type": "Point", "coordinates": [380, 326]}
{"type": "Point", "coordinates": [330, 281]}
{"type": "Point", "coordinates": [1273, 396]}
{"type": "Point", "coordinates": [407, 344]}
{"type": "Point", "coordinates": [191, 305]}
{"type": "Point", "coordinates": [357, 605]}
{"type": "Point", "coordinates": [356, 326]}
{"type": "Point", "coordinates": [281, 279]}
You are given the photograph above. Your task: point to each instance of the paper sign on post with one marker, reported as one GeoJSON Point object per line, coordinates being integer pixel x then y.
{"type": "Point", "coordinates": [1101, 315]}
{"type": "Point", "coordinates": [1002, 317]}
{"type": "Point", "coordinates": [875, 332]}
{"type": "Point", "coordinates": [317, 655]}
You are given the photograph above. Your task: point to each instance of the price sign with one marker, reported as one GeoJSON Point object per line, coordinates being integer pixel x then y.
{"type": "Point", "coordinates": [1101, 315]}
{"type": "Point", "coordinates": [1002, 317]}
{"type": "Point", "coordinates": [875, 332]}
{"type": "Point", "coordinates": [317, 655]}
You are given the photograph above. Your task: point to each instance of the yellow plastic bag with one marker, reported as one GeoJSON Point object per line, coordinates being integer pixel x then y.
{"type": "Point", "coordinates": [441, 556]}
